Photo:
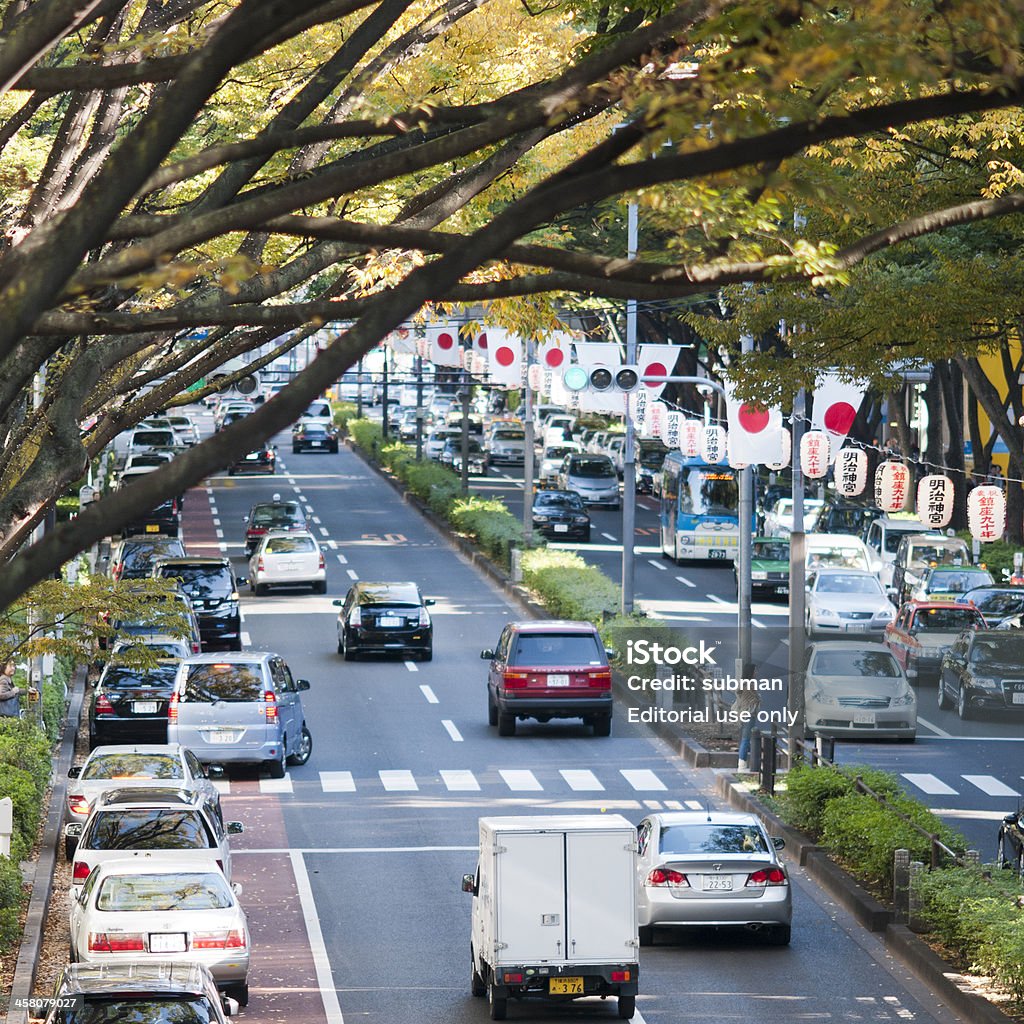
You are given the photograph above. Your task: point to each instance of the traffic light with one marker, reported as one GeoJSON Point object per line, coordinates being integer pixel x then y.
{"type": "Point", "coordinates": [601, 378]}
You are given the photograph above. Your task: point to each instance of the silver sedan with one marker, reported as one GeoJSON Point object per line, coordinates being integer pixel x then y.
{"type": "Point", "coordinates": [711, 869]}
{"type": "Point", "coordinates": [129, 913]}
{"type": "Point", "coordinates": [841, 602]}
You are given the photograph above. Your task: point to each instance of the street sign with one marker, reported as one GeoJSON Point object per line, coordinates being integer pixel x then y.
{"type": "Point", "coordinates": [201, 383]}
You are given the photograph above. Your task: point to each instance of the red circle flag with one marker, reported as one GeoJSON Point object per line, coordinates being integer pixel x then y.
{"type": "Point", "coordinates": [504, 356]}
{"type": "Point", "coordinates": [654, 370]}
{"type": "Point", "coordinates": [445, 341]}
{"type": "Point", "coordinates": [839, 417]}
{"type": "Point", "coordinates": [481, 342]}
{"type": "Point", "coordinates": [752, 418]}
{"type": "Point", "coordinates": [554, 357]}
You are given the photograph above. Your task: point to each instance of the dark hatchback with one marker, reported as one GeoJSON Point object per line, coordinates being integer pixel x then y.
{"type": "Point", "coordinates": [271, 515]}
{"type": "Point", "coordinates": [561, 515]}
{"type": "Point", "coordinates": [996, 604]}
{"type": "Point", "coordinates": [315, 437]}
{"type": "Point", "coordinates": [983, 671]}
{"type": "Point", "coordinates": [129, 705]}
{"type": "Point", "coordinates": [163, 518]}
{"type": "Point", "coordinates": [259, 460]}
{"type": "Point", "coordinates": [382, 618]}
{"type": "Point", "coordinates": [209, 584]}
{"type": "Point", "coordinates": [132, 558]}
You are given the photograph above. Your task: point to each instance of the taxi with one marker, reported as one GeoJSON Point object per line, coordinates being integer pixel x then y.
{"type": "Point", "coordinates": [924, 630]}
{"type": "Point", "coordinates": [948, 582]}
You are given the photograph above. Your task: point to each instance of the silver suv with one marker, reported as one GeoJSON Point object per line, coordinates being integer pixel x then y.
{"type": "Point", "coordinates": [592, 477]}
{"type": "Point", "coordinates": [240, 708]}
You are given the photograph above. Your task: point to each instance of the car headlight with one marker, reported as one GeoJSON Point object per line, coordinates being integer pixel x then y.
{"type": "Point", "coordinates": [759, 575]}
{"type": "Point", "coordinates": [539, 519]}
{"type": "Point", "coordinates": [885, 614]}
{"type": "Point", "coordinates": [904, 698]}
{"type": "Point", "coordinates": [580, 519]}
{"type": "Point", "coordinates": [985, 682]}
{"type": "Point", "coordinates": [826, 613]}
{"type": "Point", "coordinates": [821, 696]}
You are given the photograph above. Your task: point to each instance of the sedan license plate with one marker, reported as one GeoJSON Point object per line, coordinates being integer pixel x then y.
{"type": "Point", "coordinates": [782, 590]}
{"type": "Point", "coordinates": [855, 627]}
{"type": "Point", "coordinates": [717, 883]}
{"type": "Point", "coordinates": [144, 707]}
{"type": "Point", "coordinates": [223, 736]}
{"type": "Point", "coordinates": [315, 444]}
{"type": "Point", "coordinates": [558, 680]}
{"type": "Point", "coordinates": [561, 528]}
{"type": "Point", "coordinates": [863, 718]}
{"type": "Point", "coordinates": [718, 553]}
{"type": "Point", "coordinates": [170, 942]}
{"type": "Point", "coordinates": [565, 986]}
{"type": "Point", "coordinates": [1018, 698]}
{"type": "Point", "coordinates": [389, 621]}
{"type": "Point", "coordinates": [152, 528]}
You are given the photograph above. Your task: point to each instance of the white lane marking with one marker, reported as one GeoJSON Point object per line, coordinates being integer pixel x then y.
{"type": "Point", "coordinates": [759, 625]}
{"type": "Point", "coordinates": [246, 639]}
{"type": "Point", "coordinates": [449, 726]}
{"type": "Point", "coordinates": [333, 545]}
{"type": "Point", "coordinates": [521, 780]}
{"type": "Point", "coordinates": [352, 574]}
{"type": "Point", "coordinates": [309, 511]}
{"type": "Point", "coordinates": [694, 805]}
{"type": "Point", "coordinates": [277, 785]}
{"type": "Point", "coordinates": [223, 786]}
{"type": "Point", "coordinates": [459, 780]}
{"type": "Point", "coordinates": [940, 732]}
{"type": "Point", "coordinates": [608, 536]}
{"type": "Point", "coordinates": [429, 694]}
{"type": "Point", "coordinates": [223, 548]}
{"type": "Point", "coordinates": [412, 666]}
{"type": "Point", "coordinates": [928, 783]}
{"type": "Point", "coordinates": [717, 600]}
{"type": "Point", "coordinates": [397, 780]}
{"type": "Point", "coordinates": [337, 782]}
{"type": "Point", "coordinates": [324, 531]}
{"type": "Point", "coordinates": [652, 805]}
{"type": "Point", "coordinates": [642, 778]}
{"type": "Point", "coordinates": [219, 534]}
{"type": "Point", "coordinates": [990, 785]}
{"type": "Point", "coordinates": [684, 618]}
{"type": "Point", "coordinates": [673, 805]}
{"type": "Point", "coordinates": [316, 519]}
{"type": "Point", "coordinates": [291, 480]}
{"type": "Point", "coordinates": [343, 559]}
{"type": "Point", "coordinates": [216, 521]}
{"type": "Point", "coordinates": [321, 962]}
{"type": "Point", "coordinates": [685, 582]}
{"type": "Point", "coordinates": [657, 564]}
{"type": "Point", "coordinates": [581, 779]}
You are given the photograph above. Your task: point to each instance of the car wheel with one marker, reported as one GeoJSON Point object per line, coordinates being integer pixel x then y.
{"type": "Point", "coordinates": [627, 1007]}
{"type": "Point", "coordinates": [477, 985]}
{"type": "Point", "coordinates": [506, 724]}
{"type": "Point", "coordinates": [240, 993]}
{"type": "Point", "coordinates": [70, 845]}
{"type": "Point", "coordinates": [260, 589]}
{"type": "Point", "coordinates": [492, 710]}
{"type": "Point", "coordinates": [498, 1004]}
{"type": "Point", "coordinates": [646, 934]}
{"type": "Point", "coordinates": [427, 654]}
{"type": "Point", "coordinates": [93, 741]}
{"type": "Point", "coordinates": [276, 769]}
{"type": "Point", "coordinates": [320, 587]}
{"type": "Point", "coordinates": [943, 698]}
{"type": "Point", "coordinates": [334, 449]}
{"type": "Point", "coordinates": [963, 705]}
{"type": "Point", "coordinates": [1001, 860]}
{"type": "Point", "coordinates": [603, 725]}
{"type": "Point", "coordinates": [295, 450]}
{"type": "Point", "coordinates": [780, 935]}
{"type": "Point", "coordinates": [231, 472]}
{"type": "Point", "coordinates": [347, 651]}
{"type": "Point", "coordinates": [301, 753]}
{"type": "Point", "coordinates": [341, 646]}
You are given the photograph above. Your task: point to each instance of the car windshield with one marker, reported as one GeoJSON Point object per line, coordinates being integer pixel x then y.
{"type": "Point", "coordinates": [164, 892]}
{"type": "Point", "coordinates": [592, 468]}
{"type": "Point", "coordinates": [132, 766]}
{"type": "Point", "coordinates": [558, 453]}
{"type": "Point", "coordinates": [1004, 650]}
{"type": "Point", "coordinates": [147, 828]}
{"type": "Point", "coordinates": [227, 682]}
{"type": "Point", "coordinates": [707, 837]}
{"type": "Point", "coordinates": [893, 538]}
{"type": "Point", "coordinates": [142, 556]}
{"type": "Point", "coordinates": [151, 1008]}
{"type": "Point", "coordinates": [277, 515]}
{"type": "Point", "coordinates": [842, 558]}
{"type": "Point", "coordinates": [877, 664]}
{"type": "Point", "coordinates": [997, 603]}
{"type": "Point", "coordinates": [509, 435]}
{"type": "Point", "coordinates": [289, 546]}
{"type": "Point", "coordinates": [154, 438]}
{"type": "Point", "coordinates": [201, 581]}
{"type": "Point", "coordinates": [394, 594]}
{"type": "Point", "coordinates": [941, 553]}
{"type": "Point", "coordinates": [956, 582]}
{"type": "Point", "coordinates": [944, 620]}
{"type": "Point", "coordinates": [847, 584]}
{"type": "Point", "coordinates": [542, 649]}
{"type": "Point", "coordinates": [770, 551]}
{"type": "Point", "coordinates": [560, 499]}
{"type": "Point", "coordinates": [120, 677]}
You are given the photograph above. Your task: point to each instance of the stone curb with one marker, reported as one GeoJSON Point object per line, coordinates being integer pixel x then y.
{"type": "Point", "coordinates": [42, 884]}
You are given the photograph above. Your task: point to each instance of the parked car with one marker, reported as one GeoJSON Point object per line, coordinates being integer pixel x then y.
{"type": "Point", "coordinates": [182, 909]}
{"type": "Point", "coordinates": [168, 614]}
{"type": "Point", "coordinates": [716, 869]}
{"type": "Point", "coordinates": [287, 559]}
{"type": "Point", "coordinates": [240, 708]}
{"type": "Point", "coordinates": [209, 584]}
{"type": "Point", "coordinates": [857, 689]}
{"type": "Point", "coordinates": [129, 705]}
{"type": "Point", "coordinates": [769, 566]}
{"type": "Point", "coordinates": [919, 551]}
{"type": "Point", "coordinates": [260, 460]}
{"type": "Point", "coordinates": [983, 671]}
{"type": "Point", "coordinates": [132, 558]}
{"type": "Point", "coordinates": [127, 766]}
{"type": "Point", "coordinates": [314, 436]}
{"type": "Point", "coordinates": [924, 631]}
{"type": "Point", "coordinates": [845, 601]}
{"type": "Point", "coordinates": [274, 515]}
{"type": "Point", "coordinates": [549, 669]}
{"type": "Point", "coordinates": [159, 645]}
{"type": "Point", "coordinates": [946, 582]}
{"type": "Point", "coordinates": [381, 618]}
{"type": "Point", "coordinates": [593, 478]}
{"type": "Point", "coordinates": [996, 604]}
{"type": "Point", "coordinates": [161, 992]}
{"type": "Point", "coordinates": [1010, 843]}
{"type": "Point", "coordinates": [561, 515]}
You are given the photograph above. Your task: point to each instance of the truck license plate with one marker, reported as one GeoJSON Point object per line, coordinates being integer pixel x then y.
{"type": "Point", "coordinates": [717, 883]}
{"type": "Point", "coordinates": [152, 528]}
{"type": "Point", "coordinates": [565, 986]}
{"type": "Point", "coordinates": [558, 680]}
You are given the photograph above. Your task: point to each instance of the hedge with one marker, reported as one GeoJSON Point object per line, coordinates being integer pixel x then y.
{"type": "Point", "coordinates": [569, 588]}
{"type": "Point", "coordinates": [809, 790]}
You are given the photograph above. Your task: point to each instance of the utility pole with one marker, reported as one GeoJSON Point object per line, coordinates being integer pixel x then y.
{"type": "Point", "coordinates": [384, 398]}
{"type": "Point", "coordinates": [528, 460]}
{"type": "Point", "coordinates": [797, 602]}
{"type": "Point", "coordinates": [629, 445]}
{"type": "Point", "coordinates": [463, 394]}
{"type": "Point", "coordinates": [744, 611]}
{"type": "Point", "coordinates": [419, 408]}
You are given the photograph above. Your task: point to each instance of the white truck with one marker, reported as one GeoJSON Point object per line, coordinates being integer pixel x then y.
{"type": "Point", "coordinates": [554, 910]}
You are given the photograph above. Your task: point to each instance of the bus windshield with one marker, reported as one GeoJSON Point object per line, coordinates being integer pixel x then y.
{"type": "Point", "coordinates": [708, 491]}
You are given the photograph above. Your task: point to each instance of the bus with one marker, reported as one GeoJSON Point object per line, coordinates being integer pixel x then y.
{"type": "Point", "coordinates": [699, 510]}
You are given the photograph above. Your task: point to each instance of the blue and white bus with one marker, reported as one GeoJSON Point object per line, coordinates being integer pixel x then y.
{"type": "Point", "coordinates": [699, 510]}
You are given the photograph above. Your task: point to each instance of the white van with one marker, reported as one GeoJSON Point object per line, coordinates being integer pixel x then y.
{"type": "Point", "coordinates": [837, 550]}
{"type": "Point", "coordinates": [883, 538]}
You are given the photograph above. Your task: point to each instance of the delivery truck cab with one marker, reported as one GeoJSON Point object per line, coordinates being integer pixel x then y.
{"type": "Point", "coordinates": [554, 910]}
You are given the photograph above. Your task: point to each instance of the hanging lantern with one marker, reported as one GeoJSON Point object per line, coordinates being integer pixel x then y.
{"type": "Point", "coordinates": [467, 359]}
{"type": "Point", "coordinates": [638, 403]}
{"type": "Point", "coordinates": [479, 367]}
{"type": "Point", "coordinates": [986, 512]}
{"type": "Point", "coordinates": [422, 347]}
{"type": "Point", "coordinates": [851, 471]}
{"type": "Point", "coordinates": [673, 427]}
{"type": "Point", "coordinates": [732, 462]}
{"type": "Point", "coordinates": [535, 377]}
{"type": "Point", "coordinates": [935, 501]}
{"type": "Point", "coordinates": [713, 444]}
{"type": "Point", "coordinates": [892, 483]}
{"type": "Point", "coordinates": [689, 438]}
{"type": "Point", "coordinates": [787, 452]}
{"type": "Point", "coordinates": [814, 454]}
{"type": "Point", "coordinates": [657, 419]}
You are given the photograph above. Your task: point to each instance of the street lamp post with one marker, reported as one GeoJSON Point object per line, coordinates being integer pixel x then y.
{"type": "Point", "coordinates": [629, 446]}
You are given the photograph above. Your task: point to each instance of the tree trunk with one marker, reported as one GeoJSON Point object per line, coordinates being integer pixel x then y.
{"type": "Point", "coordinates": [952, 384]}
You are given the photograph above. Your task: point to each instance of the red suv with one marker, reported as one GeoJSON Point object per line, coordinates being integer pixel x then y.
{"type": "Point", "coordinates": [545, 670]}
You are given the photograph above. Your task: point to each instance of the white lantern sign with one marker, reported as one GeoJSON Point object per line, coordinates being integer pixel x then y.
{"type": "Point", "coordinates": [713, 444]}
{"type": "Point", "coordinates": [657, 419]}
{"type": "Point", "coordinates": [851, 471]}
{"type": "Point", "coordinates": [689, 438]}
{"type": "Point", "coordinates": [732, 461]}
{"type": "Point", "coordinates": [673, 426]}
{"type": "Point", "coordinates": [787, 452]}
{"type": "Point", "coordinates": [892, 484]}
{"type": "Point", "coordinates": [935, 501]}
{"type": "Point", "coordinates": [814, 454]}
{"type": "Point", "coordinates": [535, 377]}
{"type": "Point", "coordinates": [986, 512]}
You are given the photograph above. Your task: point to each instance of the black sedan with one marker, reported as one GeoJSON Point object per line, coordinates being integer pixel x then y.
{"type": "Point", "coordinates": [1010, 848]}
{"type": "Point", "coordinates": [315, 437]}
{"type": "Point", "coordinates": [129, 705]}
{"type": "Point", "coordinates": [561, 515]}
{"type": "Point", "coordinates": [983, 671]}
{"type": "Point", "coordinates": [259, 460]}
{"type": "Point", "coordinates": [381, 618]}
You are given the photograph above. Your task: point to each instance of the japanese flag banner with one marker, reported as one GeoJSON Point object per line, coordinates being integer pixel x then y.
{"type": "Point", "coordinates": [444, 346]}
{"type": "Point", "coordinates": [755, 432]}
{"type": "Point", "coordinates": [555, 351]}
{"type": "Point", "coordinates": [401, 341]}
{"type": "Point", "coordinates": [480, 341]}
{"type": "Point", "coordinates": [505, 358]}
{"type": "Point", "coordinates": [656, 361]}
{"type": "Point", "coordinates": [835, 408]}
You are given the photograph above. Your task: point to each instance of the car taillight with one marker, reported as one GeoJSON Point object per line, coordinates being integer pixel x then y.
{"type": "Point", "coordinates": [80, 872]}
{"type": "Point", "coordinates": [621, 975]}
{"type": "Point", "coordinates": [601, 680]}
{"type": "Point", "coordinates": [322, 560]}
{"type": "Point", "coordinates": [355, 617]}
{"type": "Point", "coordinates": [116, 942]}
{"type": "Point", "coordinates": [103, 705]}
{"type": "Point", "coordinates": [510, 978]}
{"type": "Point", "coordinates": [666, 876]}
{"type": "Point", "coordinates": [232, 939]}
{"type": "Point", "coordinates": [766, 876]}
{"type": "Point", "coordinates": [77, 804]}
{"type": "Point", "coordinates": [271, 701]}
{"type": "Point", "coordinates": [196, 647]}
{"type": "Point", "coordinates": [116, 574]}
{"type": "Point", "coordinates": [424, 617]}
{"type": "Point", "coordinates": [514, 680]}
{"type": "Point", "coordinates": [172, 708]}
{"type": "Point", "coordinates": [259, 564]}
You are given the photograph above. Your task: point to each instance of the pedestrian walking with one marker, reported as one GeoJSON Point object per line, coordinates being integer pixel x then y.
{"type": "Point", "coordinates": [10, 695]}
{"type": "Point", "coordinates": [746, 707]}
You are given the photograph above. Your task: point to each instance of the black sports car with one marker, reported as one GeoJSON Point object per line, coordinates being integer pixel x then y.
{"type": "Point", "coordinates": [259, 460]}
{"type": "Point", "coordinates": [561, 515]}
{"type": "Point", "coordinates": [314, 437]}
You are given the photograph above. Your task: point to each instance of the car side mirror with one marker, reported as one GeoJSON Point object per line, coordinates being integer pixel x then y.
{"type": "Point", "coordinates": [338, 603]}
{"type": "Point", "coordinates": [487, 654]}
{"type": "Point", "coordinates": [229, 1006]}
{"type": "Point", "coordinates": [215, 771]}
{"type": "Point", "coordinates": [610, 653]}
{"type": "Point", "coordinates": [234, 828]}
{"type": "Point", "coordinates": [778, 842]}
{"type": "Point", "coordinates": [429, 601]}
{"type": "Point", "coordinates": [301, 684]}
{"type": "Point", "coordinates": [243, 581]}
{"type": "Point", "coordinates": [75, 771]}
{"type": "Point", "coordinates": [469, 884]}
{"type": "Point", "coordinates": [236, 888]}
{"type": "Point", "coordinates": [245, 519]}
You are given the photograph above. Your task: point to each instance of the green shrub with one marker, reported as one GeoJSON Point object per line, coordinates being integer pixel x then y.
{"type": "Point", "coordinates": [366, 434]}
{"type": "Point", "coordinates": [568, 587]}
{"type": "Point", "coordinates": [21, 787]}
{"type": "Point", "coordinates": [343, 412]}
{"type": "Point", "coordinates": [808, 791]}
{"type": "Point", "coordinates": [23, 746]}
{"type": "Point", "coordinates": [12, 895]}
{"type": "Point", "coordinates": [488, 520]}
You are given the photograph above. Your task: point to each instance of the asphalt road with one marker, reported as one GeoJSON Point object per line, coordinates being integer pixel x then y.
{"type": "Point", "coordinates": [368, 841]}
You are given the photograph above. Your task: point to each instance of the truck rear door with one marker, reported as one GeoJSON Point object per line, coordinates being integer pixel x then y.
{"type": "Point", "coordinates": [530, 888]}
{"type": "Point", "coordinates": [600, 897]}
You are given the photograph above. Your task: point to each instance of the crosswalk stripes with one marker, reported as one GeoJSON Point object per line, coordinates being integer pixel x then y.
{"type": "Point", "coordinates": [460, 781]}
{"type": "Point", "coordinates": [337, 782]}
{"type": "Point", "coordinates": [932, 785]}
{"type": "Point", "coordinates": [581, 780]}
{"type": "Point", "coordinates": [643, 779]}
{"type": "Point", "coordinates": [520, 780]}
{"type": "Point", "coordinates": [398, 780]}
{"type": "Point", "coordinates": [990, 785]}
{"type": "Point", "coordinates": [277, 785]}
